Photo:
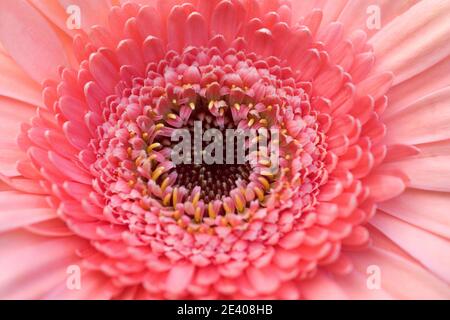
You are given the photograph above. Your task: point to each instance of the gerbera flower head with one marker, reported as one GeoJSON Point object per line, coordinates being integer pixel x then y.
{"type": "Point", "coordinates": [98, 150]}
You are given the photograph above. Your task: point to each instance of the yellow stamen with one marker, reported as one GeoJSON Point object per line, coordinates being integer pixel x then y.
{"type": "Point", "coordinates": [157, 173]}
{"type": "Point", "coordinates": [177, 215]}
{"type": "Point", "coordinates": [267, 173]}
{"type": "Point", "coordinates": [224, 221]}
{"type": "Point", "coordinates": [192, 105]}
{"type": "Point", "coordinates": [227, 208]}
{"type": "Point", "coordinates": [198, 215]}
{"type": "Point", "coordinates": [164, 184]}
{"type": "Point", "coordinates": [196, 198]}
{"type": "Point", "coordinates": [259, 193]}
{"type": "Point", "coordinates": [264, 182]}
{"type": "Point", "coordinates": [159, 126]}
{"type": "Point", "coordinates": [172, 116]}
{"type": "Point", "coordinates": [166, 200]}
{"type": "Point", "coordinates": [153, 146]}
{"type": "Point", "coordinates": [239, 204]}
{"type": "Point", "coordinates": [237, 106]}
{"type": "Point", "coordinates": [210, 104]}
{"type": "Point", "coordinates": [175, 197]}
{"type": "Point", "coordinates": [212, 214]}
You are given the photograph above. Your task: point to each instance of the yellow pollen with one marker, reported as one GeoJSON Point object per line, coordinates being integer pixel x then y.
{"type": "Point", "coordinates": [227, 208]}
{"type": "Point", "coordinates": [224, 221]}
{"type": "Point", "coordinates": [153, 146]}
{"type": "Point", "coordinates": [129, 150]}
{"type": "Point", "coordinates": [259, 193]}
{"type": "Point", "coordinates": [198, 215]}
{"type": "Point", "coordinates": [264, 162]}
{"type": "Point", "coordinates": [239, 204]}
{"type": "Point", "coordinates": [263, 122]}
{"type": "Point", "coordinates": [211, 104]}
{"type": "Point", "coordinates": [237, 106]}
{"type": "Point", "coordinates": [175, 197]}
{"type": "Point", "coordinates": [159, 126]}
{"type": "Point", "coordinates": [251, 122]}
{"type": "Point", "coordinates": [192, 105]}
{"type": "Point", "coordinates": [174, 101]}
{"type": "Point", "coordinates": [172, 116]}
{"type": "Point", "coordinates": [212, 214]}
{"type": "Point", "coordinates": [166, 200]}
{"type": "Point", "coordinates": [145, 136]}
{"type": "Point", "coordinates": [131, 183]}
{"type": "Point", "coordinates": [164, 184]}
{"type": "Point", "coordinates": [264, 182]}
{"type": "Point", "coordinates": [177, 215]}
{"type": "Point", "coordinates": [267, 173]}
{"type": "Point", "coordinates": [157, 173]}
{"type": "Point", "coordinates": [196, 198]}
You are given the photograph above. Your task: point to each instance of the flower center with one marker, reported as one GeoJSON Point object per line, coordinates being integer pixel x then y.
{"type": "Point", "coordinates": [257, 136]}
{"type": "Point", "coordinates": [218, 165]}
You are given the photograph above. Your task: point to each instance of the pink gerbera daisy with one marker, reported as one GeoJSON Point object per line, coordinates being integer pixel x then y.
{"type": "Point", "coordinates": [359, 204]}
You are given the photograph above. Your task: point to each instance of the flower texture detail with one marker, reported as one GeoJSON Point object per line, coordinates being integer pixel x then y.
{"type": "Point", "coordinates": [362, 142]}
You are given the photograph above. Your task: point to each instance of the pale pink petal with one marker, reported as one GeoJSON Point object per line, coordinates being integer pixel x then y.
{"type": "Point", "coordinates": [322, 286]}
{"type": "Point", "coordinates": [400, 278]}
{"type": "Point", "coordinates": [419, 45]}
{"type": "Point", "coordinates": [20, 209]}
{"type": "Point", "coordinates": [426, 120]}
{"type": "Point", "coordinates": [430, 250]}
{"type": "Point", "coordinates": [32, 265]}
{"type": "Point", "coordinates": [428, 173]}
{"type": "Point", "coordinates": [423, 84]}
{"type": "Point", "coordinates": [15, 83]}
{"type": "Point", "coordinates": [19, 20]}
{"type": "Point", "coordinates": [423, 209]}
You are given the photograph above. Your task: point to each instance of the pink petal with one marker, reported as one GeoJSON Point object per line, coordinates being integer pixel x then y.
{"type": "Point", "coordinates": [419, 46]}
{"type": "Point", "coordinates": [15, 83]}
{"type": "Point", "coordinates": [423, 209]}
{"type": "Point", "coordinates": [179, 277]}
{"type": "Point", "coordinates": [426, 120]}
{"type": "Point", "coordinates": [18, 20]}
{"type": "Point", "coordinates": [431, 250]}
